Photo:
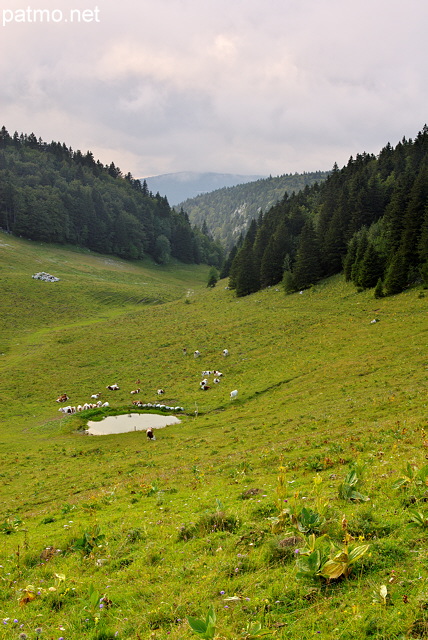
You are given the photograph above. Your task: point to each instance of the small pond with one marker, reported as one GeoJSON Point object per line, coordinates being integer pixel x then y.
{"type": "Point", "coordinates": [129, 422]}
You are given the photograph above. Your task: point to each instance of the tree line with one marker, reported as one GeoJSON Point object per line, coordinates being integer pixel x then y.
{"type": "Point", "coordinates": [368, 219]}
{"type": "Point", "coordinates": [50, 193]}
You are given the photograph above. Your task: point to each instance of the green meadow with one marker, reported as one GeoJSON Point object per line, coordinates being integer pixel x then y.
{"type": "Point", "coordinates": [297, 510]}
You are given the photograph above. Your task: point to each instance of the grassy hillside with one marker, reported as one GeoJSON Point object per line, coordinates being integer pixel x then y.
{"type": "Point", "coordinates": [246, 506]}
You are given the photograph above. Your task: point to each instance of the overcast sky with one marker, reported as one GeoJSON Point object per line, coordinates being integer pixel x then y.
{"type": "Point", "coordinates": [240, 86]}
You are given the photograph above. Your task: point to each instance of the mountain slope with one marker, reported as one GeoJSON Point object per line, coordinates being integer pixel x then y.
{"type": "Point", "coordinates": [370, 219]}
{"type": "Point", "coordinates": [50, 193]}
{"type": "Point", "coordinates": [228, 212]}
{"type": "Point", "coordinates": [99, 534]}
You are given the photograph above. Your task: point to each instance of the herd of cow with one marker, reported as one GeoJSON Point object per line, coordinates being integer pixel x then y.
{"type": "Point", "coordinates": [203, 385]}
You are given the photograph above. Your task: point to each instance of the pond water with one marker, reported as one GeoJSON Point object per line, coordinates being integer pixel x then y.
{"type": "Point", "coordinates": [129, 422]}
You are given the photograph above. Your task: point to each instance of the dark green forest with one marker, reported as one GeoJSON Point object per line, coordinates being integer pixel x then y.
{"type": "Point", "coordinates": [227, 212]}
{"type": "Point", "coordinates": [368, 219]}
{"type": "Point", "coordinates": [50, 193]}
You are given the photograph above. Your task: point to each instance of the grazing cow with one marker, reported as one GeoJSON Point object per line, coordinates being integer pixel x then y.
{"type": "Point", "coordinates": [136, 391]}
{"type": "Point", "coordinates": [150, 434]}
{"type": "Point", "coordinates": [217, 374]}
{"type": "Point", "coordinates": [216, 380]}
{"type": "Point", "coordinates": [225, 352]}
{"type": "Point", "coordinates": [233, 394]}
{"type": "Point", "coordinates": [67, 409]}
{"type": "Point", "coordinates": [105, 404]}
{"type": "Point", "coordinates": [160, 392]}
{"type": "Point", "coordinates": [184, 351]}
{"type": "Point", "coordinates": [63, 398]}
{"type": "Point", "coordinates": [196, 354]}
{"type": "Point", "coordinates": [95, 396]}
{"type": "Point", "coordinates": [204, 387]}
{"type": "Point", "coordinates": [113, 387]}
{"type": "Point", "coordinates": [203, 382]}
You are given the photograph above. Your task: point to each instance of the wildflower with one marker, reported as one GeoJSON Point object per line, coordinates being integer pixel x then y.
{"type": "Point", "coordinates": [222, 593]}
{"type": "Point", "coordinates": [39, 630]}
{"type": "Point", "coordinates": [16, 621]}
{"type": "Point", "coordinates": [23, 636]}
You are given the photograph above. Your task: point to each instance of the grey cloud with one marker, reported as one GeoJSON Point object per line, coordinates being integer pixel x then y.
{"type": "Point", "coordinates": [246, 87]}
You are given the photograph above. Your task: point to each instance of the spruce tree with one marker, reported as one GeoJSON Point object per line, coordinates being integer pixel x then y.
{"type": "Point", "coordinates": [378, 292]}
{"type": "Point", "coordinates": [247, 280]}
{"type": "Point", "coordinates": [212, 278]}
{"type": "Point", "coordinates": [396, 274]}
{"type": "Point", "coordinates": [371, 268]}
{"type": "Point", "coordinates": [414, 216]}
{"type": "Point", "coordinates": [307, 269]}
{"type": "Point", "coordinates": [363, 243]}
{"type": "Point", "coordinates": [350, 258]}
{"type": "Point", "coordinates": [288, 282]}
{"type": "Point", "coordinates": [225, 269]}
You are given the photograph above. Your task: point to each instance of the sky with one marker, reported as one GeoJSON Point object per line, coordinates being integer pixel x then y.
{"type": "Point", "coordinates": [233, 86]}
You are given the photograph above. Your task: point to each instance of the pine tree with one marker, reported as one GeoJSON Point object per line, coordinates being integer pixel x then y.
{"type": "Point", "coordinates": [307, 269]}
{"type": "Point", "coordinates": [288, 282]}
{"type": "Point", "coordinates": [272, 263]}
{"type": "Point", "coordinates": [247, 280]}
{"type": "Point", "coordinates": [423, 240]}
{"type": "Point", "coordinates": [350, 258]}
{"type": "Point", "coordinates": [371, 268]}
{"type": "Point", "coordinates": [378, 292]}
{"type": "Point", "coordinates": [414, 216]}
{"type": "Point", "coordinates": [225, 269]}
{"type": "Point", "coordinates": [363, 243]}
{"type": "Point", "coordinates": [396, 274]}
{"type": "Point", "coordinates": [212, 278]}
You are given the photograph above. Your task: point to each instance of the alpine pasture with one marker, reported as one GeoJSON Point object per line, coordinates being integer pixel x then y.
{"type": "Point", "coordinates": [296, 510]}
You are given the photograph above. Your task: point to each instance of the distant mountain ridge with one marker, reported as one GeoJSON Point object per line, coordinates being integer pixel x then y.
{"type": "Point", "coordinates": [188, 184]}
{"type": "Point", "coordinates": [227, 212]}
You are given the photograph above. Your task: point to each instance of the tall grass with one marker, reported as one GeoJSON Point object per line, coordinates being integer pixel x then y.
{"type": "Point", "coordinates": [118, 537]}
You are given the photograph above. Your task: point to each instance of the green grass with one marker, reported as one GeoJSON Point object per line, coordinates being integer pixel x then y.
{"type": "Point", "coordinates": [163, 530]}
